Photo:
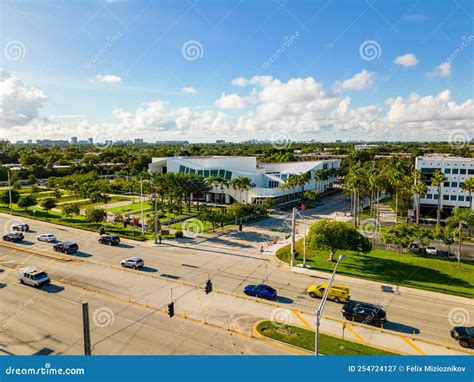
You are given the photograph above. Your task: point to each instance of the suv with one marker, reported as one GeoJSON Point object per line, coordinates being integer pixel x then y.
{"type": "Point", "coordinates": [33, 277]}
{"type": "Point", "coordinates": [132, 262]}
{"type": "Point", "coordinates": [432, 251]}
{"type": "Point", "coordinates": [464, 335]}
{"type": "Point", "coordinates": [369, 314]}
{"type": "Point", "coordinates": [109, 239]}
{"type": "Point", "coordinates": [47, 237]}
{"type": "Point", "coordinates": [14, 237]}
{"type": "Point", "coordinates": [66, 247]}
{"type": "Point", "coordinates": [22, 227]}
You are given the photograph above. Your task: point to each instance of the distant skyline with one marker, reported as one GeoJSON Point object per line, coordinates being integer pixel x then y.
{"type": "Point", "coordinates": [237, 70]}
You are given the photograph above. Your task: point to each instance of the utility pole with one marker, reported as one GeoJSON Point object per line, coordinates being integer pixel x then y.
{"type": "Point", "coordinates": [86, 329]}
{"type": "Point", "coordinates": [293, 229]}
{"type": "Point", "coordinates": [9, 192]}
{"type": "Point", "coordinates": [141, 205]}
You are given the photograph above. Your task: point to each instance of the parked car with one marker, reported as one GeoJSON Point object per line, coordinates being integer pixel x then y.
{"type": "Point", "coordinates": [369, 314]}
{"type": "Point", "coordinates": [47, 237]}
{"type": "Point", "coordinates": [132, 262]}
{"type": "Point", "coordinates": [33, 277]}
{"type": "Point", "coordinates": [464, 335]}
{"type": "Point", "coordinates": [432, 251]}
{"type": "Point", "coordinates": [66, 247]}
{"type": "Point", "coordinates": [261, 291]}
{"type": "Point", "coordinates": [337, 293]}
{"type": "Point", "coordinates": [22, 227]}
{"type": "Point", "coordinates": [14, 237]}
{"type": "Point", "coordinates": [109, 239]}
{"type": "Point", "coordinates": [414, 248]}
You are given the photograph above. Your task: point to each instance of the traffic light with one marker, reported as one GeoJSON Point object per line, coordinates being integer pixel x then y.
{"type": "Point", "coordinates": [208, 287]}
{"type": "Point", "coordinates": [171, 309]}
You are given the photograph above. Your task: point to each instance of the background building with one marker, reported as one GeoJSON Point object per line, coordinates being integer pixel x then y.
{"type": "Point", "coordinates": [266, 178]}
{"type": "Point", "coordinates": [456, 170]}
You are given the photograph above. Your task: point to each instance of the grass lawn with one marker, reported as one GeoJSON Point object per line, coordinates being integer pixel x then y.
{"type": "Point", "coordinates": [304, 338]}
{"type": "Point", "coordinates": [407, 269]}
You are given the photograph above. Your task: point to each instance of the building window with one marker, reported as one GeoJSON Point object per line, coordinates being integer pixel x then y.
{"type": "Point", "coordinates": [454, 184]}
{"type": "Point", "coordinates": [192, 171]}
{"type": "Point", "coordinates": [470, 171]}
{"type": "Point", "coordinates": [429, 196]}
{"type": "Point", "coordinates": [468, 198]}
{"type": "Point", "coordinates": [462, 171]}
{"type": "Point", "coordinates": [445, 197]}
{"type": "Point", "coordinates": [206, 173]}
{"type": "Point", "coordinates": [222, 173]}
{"type": "Point", "coordinates": [455, 171]}
{"type": "Point", "coordinates": [447, 171]}
{"type": "Point", "coordinates": [201, 172]}
{"type": "Point", "coordinates": [214, 172]}
{"type": "Point", "coordinates": [228, 175]}
{"type": "Point", "coordinates": [461, 198]}
{"type": "Point", "coordinates": [453, 197]}
{"type": "Point", "coordinates": [181, 168]}
{"type": "Point", "coordinates": [435, 196]}
{"type": "Point", "coordinates": [446, 184]}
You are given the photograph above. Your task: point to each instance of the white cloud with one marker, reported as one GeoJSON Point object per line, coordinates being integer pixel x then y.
{"type": "Point", "coordinates": [231, 101]}
{"type": "Point", "coordinates": [240, 82]}
{"type": "Point", "coordinates": [19, 104]}
{"type": "Point", "coordinates": [189, 90]}
{"type": "Point", "coordinates": [406, 60]}
{"type": "Point", "coordinates": [109, 78]}
{"type": "Point", "coordinates": [442, 70]}
{"type": "Point", "coordinates": [358, 82]}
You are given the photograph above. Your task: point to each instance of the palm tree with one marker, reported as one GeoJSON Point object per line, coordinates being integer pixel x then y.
{"type": "Point", "coordinates": [468, 186]}
{"type": "Point", "coordinates": [437, 181]}
{"type": "Point", "coordinates": [419, 189]}
{"type": "Point", "coordinates": [199, 187]}
{"type": "Point", "coordinates": [397, 180]}
{"type": "Point", "coordinates": [460, 217]}
{"type": "Point", "coordinates": [352, 184]}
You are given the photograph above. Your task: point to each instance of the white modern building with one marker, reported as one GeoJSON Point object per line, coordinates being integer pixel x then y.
{"type": "Point", "coordinates": [266, 178]}
{"type": "Point", "coordinates": [456, 170]}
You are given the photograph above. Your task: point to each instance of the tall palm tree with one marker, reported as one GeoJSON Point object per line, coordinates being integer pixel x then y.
{"type": "Point", "coordinates": [460, 217]}
{"type": "Point", "coordinates": [352, 184]}
{"type": "Point", "coordinates": [468, 186]}
{"type": "Point", "coordinates": [437, 181]}
{"type": "Point", "coordinates": [419, 189]}
{"type": "Point", "coordinates": [397, 180]}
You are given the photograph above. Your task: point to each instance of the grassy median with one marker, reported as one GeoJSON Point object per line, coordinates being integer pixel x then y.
{"type": "Point", "coordinates": [405, 269]}
{"type": "Point", "coordinates": [304, 338]}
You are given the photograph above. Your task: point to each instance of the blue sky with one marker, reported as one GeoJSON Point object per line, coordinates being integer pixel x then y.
{"type": "Point", "coordinates": [119, 67]}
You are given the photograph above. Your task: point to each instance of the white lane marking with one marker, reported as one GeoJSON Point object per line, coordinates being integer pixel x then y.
{"type": "Point", "coordinates": [44, 311]}
{"type": "Point", "coordinates": [138, 323]}
{"type": "Point", "coordinates": [65, 299]}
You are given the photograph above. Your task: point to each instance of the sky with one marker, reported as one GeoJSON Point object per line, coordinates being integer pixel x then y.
{"type": "Point", "coordinates": [237, 70]}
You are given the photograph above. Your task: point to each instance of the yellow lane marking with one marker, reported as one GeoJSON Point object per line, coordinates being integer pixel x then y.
{"type": "Point", "coordinates": [50, 262]}
{"type": "Point", "coordinates": [412, 345]}
{"type": "Point", "coordinates": [24, 261]}
{"type": "Point", "coordinates": [355, 334]}
{"type": "Point", "coordinates": [301, 318]}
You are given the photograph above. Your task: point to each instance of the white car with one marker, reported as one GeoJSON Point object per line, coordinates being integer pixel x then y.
{"type": "Point", "coordinates": [47, 237]}
{"type": "Point", "coordinates": [132, 262]}
{"type": "Point", "coordinates": [432, 251]}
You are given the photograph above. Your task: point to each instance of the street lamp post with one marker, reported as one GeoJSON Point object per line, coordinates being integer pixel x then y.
{"type": "Point", "coordinates": [154, 197]}
{"type": "Point", "coordinates": [319, 311]}
{"type": "Point", "coordinates": [304, 243]}
{"type": "Point", "coordinates": [10, 204]}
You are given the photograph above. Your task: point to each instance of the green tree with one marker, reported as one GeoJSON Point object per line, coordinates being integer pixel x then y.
{"type": "Point", "coordinates": [419, 189]}
{"type": "Point", "coordinates": [5, 196]}
{"type": "Point", "coordinates": [437, 181]}
{"type": "Point", "coordinates": [95, 215]}
{"type": "Point", "coordinates": [27, 201]}
{"type": "Point", "coordinates": [333, 236]}
{"type": "Point", "coordinates": [71, 209]}
{"type": "Point", "coordinates": [32, 180]}
{"type": "Point", "coordinates": [459, 218]}
{"type": "Point", "coordinates": [400, 235]}
{"type": "Point", "coordinates": [48, 203]}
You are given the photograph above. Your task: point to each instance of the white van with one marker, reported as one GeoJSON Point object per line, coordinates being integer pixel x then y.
{"type": "Point", "coordinates": [33, 277]}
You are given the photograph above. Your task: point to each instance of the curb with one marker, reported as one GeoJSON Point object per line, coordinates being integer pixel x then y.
{"type": "Point", "coordinates": [35, 252]}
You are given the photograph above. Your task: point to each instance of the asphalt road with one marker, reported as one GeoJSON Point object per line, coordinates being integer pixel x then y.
{"type": "Point", "coordinates": [232, 260]}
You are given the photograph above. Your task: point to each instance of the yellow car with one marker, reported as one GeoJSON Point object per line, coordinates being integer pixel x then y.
{"type": "Point", "coordinates": [337, 293]}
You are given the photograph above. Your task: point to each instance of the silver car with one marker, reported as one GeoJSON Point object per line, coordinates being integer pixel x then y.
{"type": "Point", "coordinates": [47, 237]}
{"type": "Point", "coordinates": [132, 262]}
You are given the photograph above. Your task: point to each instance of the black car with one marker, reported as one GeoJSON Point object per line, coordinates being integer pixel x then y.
{"type": "Point", "coordinates": [369, 314]}
{"type": "Point", "coordinates": [23, 227]}
{"type": "Point", "coordinates": [109, 239]}
{"type": "Point", "coordinates": [464, 335]}
{"type": "Point", "coordinates": [14, 237]}
{"type": "Point", "coordinates": [66, 247]}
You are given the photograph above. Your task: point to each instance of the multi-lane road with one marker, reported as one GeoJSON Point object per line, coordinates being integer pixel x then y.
{"type": "Point", "coordinates": [133, 303]}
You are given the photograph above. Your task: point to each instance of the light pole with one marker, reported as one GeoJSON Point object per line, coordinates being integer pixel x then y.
{"type": "Point", "coordinates": [319, 311]}
{"type": "Point", "coordinates": [154, 197]}
{"type": "Point", "coordinates": [304, 243]}
{"type": "Point", "coordinates": [9, 191]}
